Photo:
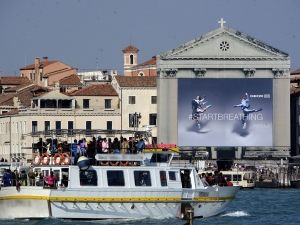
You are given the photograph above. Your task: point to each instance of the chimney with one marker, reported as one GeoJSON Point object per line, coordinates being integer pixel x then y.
{"type": "Point", "coordinates": [37, 62]}
{"type": "Point", "coordinates": [45, 58]}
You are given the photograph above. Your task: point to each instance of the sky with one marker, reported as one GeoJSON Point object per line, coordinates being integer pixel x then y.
{"type": "Point", "coordinates": [90, 34]}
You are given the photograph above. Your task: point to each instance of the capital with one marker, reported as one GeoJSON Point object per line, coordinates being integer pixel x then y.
{"type": "Point", "coordinates": [199, 72]}
{"type": "Point", "coordinates": [249, 72]}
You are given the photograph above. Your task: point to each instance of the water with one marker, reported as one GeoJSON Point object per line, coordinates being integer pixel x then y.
{"type": "Point", "coordinates": [258, 206]}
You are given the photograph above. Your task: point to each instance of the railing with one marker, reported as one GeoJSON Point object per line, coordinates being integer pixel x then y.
{"type": "Point", "coordinates": [30, 183]}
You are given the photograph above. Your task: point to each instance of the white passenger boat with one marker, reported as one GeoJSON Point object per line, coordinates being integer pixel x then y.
{"type": "Point", "coordinates": [120, 186]}
{"type": "Point", "coordinates": [244, 178]}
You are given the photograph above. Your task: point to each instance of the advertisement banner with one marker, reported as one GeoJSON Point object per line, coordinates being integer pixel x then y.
{"type": "Point", "coordinates": [225, 112]}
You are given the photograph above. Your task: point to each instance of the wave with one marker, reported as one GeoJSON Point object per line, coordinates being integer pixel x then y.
{"type": "Point", "coordinates": [236, 214]}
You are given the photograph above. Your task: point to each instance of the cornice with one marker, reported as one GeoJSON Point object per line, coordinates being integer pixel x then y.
{"type": "Point", "coordinates": [227, 31]}
{"type": "Point", "coordinates": [257, 58]}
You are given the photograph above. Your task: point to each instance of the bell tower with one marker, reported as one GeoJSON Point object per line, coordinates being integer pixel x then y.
{"type": "Point", "coordinates": [130, 59]}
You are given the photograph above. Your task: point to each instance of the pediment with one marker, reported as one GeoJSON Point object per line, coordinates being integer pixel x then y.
{"type": "Point", "coordinates": [54, 95]}
{"type": "Point", "coordinates": [224, 42]}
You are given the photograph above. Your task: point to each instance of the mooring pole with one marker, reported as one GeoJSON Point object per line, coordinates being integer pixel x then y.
{"type": "Point", "coordinates": [190, 216]}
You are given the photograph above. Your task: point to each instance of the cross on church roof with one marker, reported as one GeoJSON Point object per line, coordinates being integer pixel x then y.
{"type": "Point", "coordinates": [222, 22]}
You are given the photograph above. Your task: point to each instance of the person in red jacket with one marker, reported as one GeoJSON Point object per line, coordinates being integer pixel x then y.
{"type": "Point", "coordinates": [229, 183]}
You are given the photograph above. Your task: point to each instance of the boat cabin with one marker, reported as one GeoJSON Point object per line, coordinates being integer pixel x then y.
{"type": "Point", "coordinates": [146, 170]}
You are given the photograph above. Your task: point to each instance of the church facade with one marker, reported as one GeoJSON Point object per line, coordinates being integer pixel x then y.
{"type": "Point", "coordinates": [241, 87]}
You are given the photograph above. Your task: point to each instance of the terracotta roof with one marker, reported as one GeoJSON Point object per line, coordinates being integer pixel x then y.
{"type": "Point", "coordinates": [295, 72]}
{"type": "Point", "coordinates": [55, 72]}
{"type": "Point", "coordinates": [70, 80]}
{"type": "Point", "coordinates": [150, 62]}
{"type": "Point", "coordinates": [14, 89]}
{"type": "Point", "coordinates": [6, 99]}
{"type": "Point", "coordinates": [14, 80]}
{"type": "Point", "coordinates": [130, 48]}
{"type": "Point", "coordinates": [41, 65]}
{"type": "Point", "coordinates": [96, 90]}
{"type": "Point", "coordinates": [24, 94]}
{"type": "Point", "coordinates": [128, 81]}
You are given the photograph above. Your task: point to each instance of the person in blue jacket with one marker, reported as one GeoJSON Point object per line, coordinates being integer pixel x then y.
{"type": "Point", "coordinates": [245, 105]}
{"type": "Point", "coordinates": [141, 145]}
{"type": "Point", "coordinates": [7, 178]}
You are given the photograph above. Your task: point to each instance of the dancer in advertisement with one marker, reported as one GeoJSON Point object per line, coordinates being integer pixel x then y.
{"type": "Point", "coordinates": [198, 108]}
{"type": "Point", "coordinates": [245, 108]}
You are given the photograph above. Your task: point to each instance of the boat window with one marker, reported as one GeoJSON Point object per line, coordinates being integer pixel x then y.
{"type": "Point", "coordinates": [228, 176]}
{"type": "Point", "coordinates": [173, 175]}
{"type": "Point", "coordinates": [237, 177]}
{"type": "Point", "coordinates": [65, 177]}
{"type": "Point", "coordinates": [56, 173]}
{"type": "Point", "coordinates": [185, 179]}
{"type": "Point", "coordinates": [142, 178]}
{"type": "Point", "coordinates": [88, 178]}
{"type": "Point", "coordinates": [115, 178]}
{"type": "Point", "coordinates": [163, 178]}
{"type": "Point", "coordinates": [157, 157]}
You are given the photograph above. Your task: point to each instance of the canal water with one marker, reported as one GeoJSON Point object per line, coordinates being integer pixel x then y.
{"type": "Point", "coordinates": [257, 206]}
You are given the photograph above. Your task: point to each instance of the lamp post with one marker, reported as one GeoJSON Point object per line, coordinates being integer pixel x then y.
{"type": "Point", "coordinates": [136, 117]}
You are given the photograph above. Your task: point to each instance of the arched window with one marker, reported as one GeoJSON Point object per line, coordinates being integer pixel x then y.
{"type": "Point", "coordinates": [131, 59]}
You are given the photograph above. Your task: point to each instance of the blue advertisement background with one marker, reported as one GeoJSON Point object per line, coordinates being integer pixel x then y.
{"type": "Point", "coordinates": [223, 94]}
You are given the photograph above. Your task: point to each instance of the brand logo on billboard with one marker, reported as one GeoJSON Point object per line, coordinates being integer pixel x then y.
{"type": "Point", "coordinates": [262, 125]}
{"type": "Point", "coordinates": [261, 96]}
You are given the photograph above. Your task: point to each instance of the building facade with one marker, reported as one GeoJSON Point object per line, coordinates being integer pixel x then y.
{"type": "Point", "coordinates": [221, 67]}
{"type": "Point", "coordinates": [45, 72]}
{"type": "Point", "coordinates": [86, 113]}
{"type": "Point", "coordinates": [138, 104]}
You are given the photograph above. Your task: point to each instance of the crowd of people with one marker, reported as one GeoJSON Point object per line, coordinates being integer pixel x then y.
{"type": "Point", "coordinates": [15, 178]}
{"type": "Point", "coordinates": [99, 145]}
{"type": "Point", "coordinates": [90, 148]}
{"type": "Point", "coordinates": [217, 178]}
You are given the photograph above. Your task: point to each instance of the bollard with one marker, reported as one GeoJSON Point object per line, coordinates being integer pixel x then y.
{"type": "Point", "coordinates": [189, 216]}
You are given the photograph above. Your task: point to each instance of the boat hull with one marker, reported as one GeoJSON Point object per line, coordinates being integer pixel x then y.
{"type": "Point", "coordinates": [62, 203]}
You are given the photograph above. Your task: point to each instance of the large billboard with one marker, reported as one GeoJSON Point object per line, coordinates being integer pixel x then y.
{"type": "Point", "coordinates": [225, 112]}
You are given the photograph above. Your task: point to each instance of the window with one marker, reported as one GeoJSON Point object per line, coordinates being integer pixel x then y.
{"type": "Point", "coordinates": [237, 177]}
{"type": "Point", "coordinates": [154, 140]}
{"type": "Point", "coordinates": [163, 178]}
{"type": "Point", "coordinates": [173, 175]}
{"type": "Point", "coordinates": [58, 127]}
{"type": "Point", "coordinates": [132, 100]}
{"type": "Point", "coordinates": [47, 127]}
{"type": "Point", "coordinates": [48, 103]}
{"type": "Point", "coordinates": [65, 177]}
{"type": "Point", "coordinates": [142, 178]}
{"type": "Point", "coordinates": [34, 126]}
{"type": "Point", "coordinates": [31, 76]}
{"type": "Point", "coordinates": [88, 178]}
{"type": "Point", "coordinates": [115, 178]}
{"type": "Point", "coordinates": [65, 104]}
{"type": "Point", "coordinates": [88, 127]}
{"type": "Point", "coordinates": [108, 125]}
{"type": "Point", "coordinates": [108, 103]}
{"type": "Point", "coordinates": [70, 127]}
{"type": "Point", "coordinates": [162, 158]}
{"type": "Point", "coordinates": [86, 103]}
{"type": "Point", "coordinates": [41, 76]}
{"type": "Point", "coordinates": [153, 99]}
{"type": "Point", "coordinates": [131, 59]}
{"type": "Point", "coordinates": [152, 118]}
